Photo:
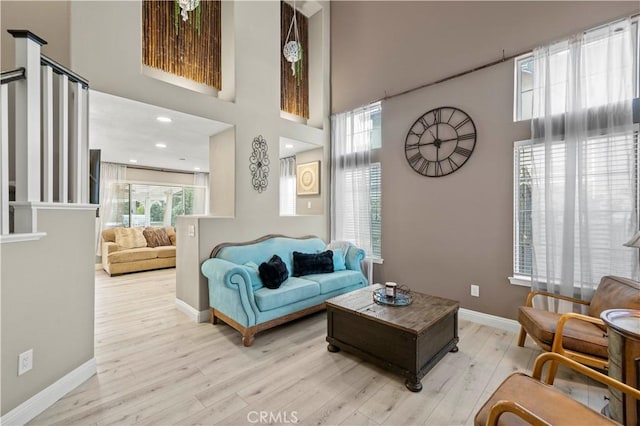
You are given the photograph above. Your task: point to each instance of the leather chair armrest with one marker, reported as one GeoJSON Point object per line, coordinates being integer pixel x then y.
{"type": "Point", "coordinates": [557, 339]}
{"type": "Point", "coordinates": [504, 406]}
{"type": "Point", "coordinates": [535, 293]}
{"type": "Point", "coordinates": [599, 377]}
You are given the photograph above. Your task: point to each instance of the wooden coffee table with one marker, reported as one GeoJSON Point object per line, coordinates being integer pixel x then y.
{"type": "Point", "coordinates": [407, 340]}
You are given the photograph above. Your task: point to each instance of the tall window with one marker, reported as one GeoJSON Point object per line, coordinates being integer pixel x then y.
{"type": "Point", "coordinates": [576, 180]}
{"type": "Point", "coordinates": [356, 177]}
{"type": "Point", "coordinates": [288, 186]}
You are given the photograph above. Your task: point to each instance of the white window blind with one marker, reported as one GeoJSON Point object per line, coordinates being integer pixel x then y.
{"type": "Point", "coordinates": [356, 192]}
{"type": "Point", "coordinates": [613, 198]}
{"type": "Point", "coordinates": [287, 186]}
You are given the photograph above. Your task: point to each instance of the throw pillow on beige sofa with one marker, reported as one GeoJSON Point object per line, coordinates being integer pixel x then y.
{"type": "Point", "coordinates": [156, 237]}
{"type": "Point", "coordinates": [128, 238]}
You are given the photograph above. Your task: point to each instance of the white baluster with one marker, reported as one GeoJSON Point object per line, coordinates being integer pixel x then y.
{"type": "Point", "coordinates": [76, 146]}
{"type": "Point", "coordinates": [63, 139]}
{"type": "Point", "coordinates": [27, 132]}
{"type": "Point", "coordinates": [4, 160]}
{"type": "Point", "coordinates": [47, 134]}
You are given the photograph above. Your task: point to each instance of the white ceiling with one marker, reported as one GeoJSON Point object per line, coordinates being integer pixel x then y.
{"type": "Point", "coordinates": [127, 130]}
{"type": "Point", "coordinates": [290, 147]}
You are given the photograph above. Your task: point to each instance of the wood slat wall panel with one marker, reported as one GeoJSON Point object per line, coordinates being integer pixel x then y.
{"type": "Point", "coordinates": [187, 53]}
{"type": "Point", "coordinates": [294, 94]}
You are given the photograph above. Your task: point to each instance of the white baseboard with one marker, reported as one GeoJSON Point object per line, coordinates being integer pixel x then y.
{"type": "Point", "coordinates": [490, 320]}
{"type": "Point", "coordinates": [191, 312]}
{"type": "Point", "coordinates": [44, 399]}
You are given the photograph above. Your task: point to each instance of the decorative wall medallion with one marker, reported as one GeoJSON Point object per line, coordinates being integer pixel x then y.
{"type": "Point", "coordinates": [259, 164]}
{"type": "Point", "coordinates": [440, 141]}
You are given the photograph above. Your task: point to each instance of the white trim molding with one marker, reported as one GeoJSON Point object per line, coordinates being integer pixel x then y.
{"type": "Point", "coordinates": [17, 238]}
{"type": "Point", "coordinates": [490, 320]}
{"type": "Point", "coordinates": [191, 312]}
{"type": "Point", "coordinates": [44, 399]}
{"type": "Point", "coordinates": [521, 280]}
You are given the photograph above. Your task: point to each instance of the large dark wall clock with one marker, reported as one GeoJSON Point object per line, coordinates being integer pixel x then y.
{"type": "Point", "coordinates": [440, 141]}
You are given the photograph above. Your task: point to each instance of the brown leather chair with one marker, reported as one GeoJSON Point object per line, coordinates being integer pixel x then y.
{"type": "Point", "coordinates": [523, 400]}
{"type": "Point", "coordinates": [579, 337]}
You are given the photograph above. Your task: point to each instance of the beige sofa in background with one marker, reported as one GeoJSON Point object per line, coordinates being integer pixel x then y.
{"type": "Point", "coordinates": [117, 260]}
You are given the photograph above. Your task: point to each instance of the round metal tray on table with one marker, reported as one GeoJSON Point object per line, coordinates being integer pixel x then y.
{"type": "Point", "coordinates": [403, 297]}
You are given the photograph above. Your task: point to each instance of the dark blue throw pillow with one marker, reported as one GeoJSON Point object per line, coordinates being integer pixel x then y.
{"type": "Point", "coordinates": [274, 272]}
{"type": "Point", "coordinates": [312, 263]}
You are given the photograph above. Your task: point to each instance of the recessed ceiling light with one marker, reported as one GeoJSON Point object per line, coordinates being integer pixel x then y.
{"type": "Point", "coordinates": [288, 145]}
{"type": "Point", "coordinates": [133, 161]}
{"type": "Point", "coordinates": [163, 119]}
{"type": "Point", "coordinates": [196, 168]}
{"type": "Point", "coordinates": [161, 145]}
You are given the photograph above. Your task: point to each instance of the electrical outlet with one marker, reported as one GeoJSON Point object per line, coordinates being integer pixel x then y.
{"type": "Point", "coordinates": [475, 290]}
{"type": "Point", "coordinates": [192, 230]}
{"type": "Point", "coordinates": [308, 204]}
{"type": "Point", "coordinates": [25, 362]}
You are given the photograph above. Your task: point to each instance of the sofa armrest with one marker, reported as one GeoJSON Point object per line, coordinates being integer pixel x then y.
{"type": "Point", "coordinates": [354, 257]}
{"type": "Point", "coordinates": [107, 247]}
{"type": "Point", "coordinates": [230, 289]}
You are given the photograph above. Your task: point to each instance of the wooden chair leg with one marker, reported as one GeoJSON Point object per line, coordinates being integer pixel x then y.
{"type": "Point", "coordinates": [522, 337]}
{"type": "Point", "coordinates": [551, 374]}
{"type": "Point", "coordinates": [214, 318]}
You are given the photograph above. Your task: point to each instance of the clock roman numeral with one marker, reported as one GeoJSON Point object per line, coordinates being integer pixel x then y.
{"type": "Point", "coordinates": [467, 136]}
{"type": "Point", "coordinates": [414, 159]}
{"type": "Point", "coordinates": [424, 167]}
{"type": "Point", "coordinates": [462, 123]}
{"type": "Point", "coordinates": [409, 147]}
{"type": "Point", "coordinates": [453, 164]}
{"type": "Point", "coordinates": [424, 122]}
{"type": "Point", "coordinates": [462, 151]}
{"type": "Point", "coordinates": [453, 111]}
{"type": "Point", "coordinates": [437, 115]}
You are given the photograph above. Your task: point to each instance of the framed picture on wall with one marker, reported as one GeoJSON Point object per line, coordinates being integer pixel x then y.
{"type": "Point", "coordinates": [308, 178]}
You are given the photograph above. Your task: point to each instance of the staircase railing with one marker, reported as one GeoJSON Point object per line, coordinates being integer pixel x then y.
{"type": "Point", "coordinates": [44, 136]}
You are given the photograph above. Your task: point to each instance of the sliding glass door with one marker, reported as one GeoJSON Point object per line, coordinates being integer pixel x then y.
{"type": "Point", "coordinates": [153, 205]}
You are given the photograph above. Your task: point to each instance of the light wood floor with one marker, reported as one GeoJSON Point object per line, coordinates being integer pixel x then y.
{"type": "Point", "coordinates": [157, 367]}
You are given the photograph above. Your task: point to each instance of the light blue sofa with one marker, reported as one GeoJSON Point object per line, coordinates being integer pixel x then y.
{"type": "Point", "coordinates": [236, 294]}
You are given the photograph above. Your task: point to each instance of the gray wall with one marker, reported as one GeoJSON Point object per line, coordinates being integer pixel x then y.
{"type": "Point", "coordinates": [384, 47]}
{"type": "Point", "coordinates": [442, 234]}
{"type": "Point", "coordinates": [47, 303]}
{"type": "Point", "coordinates": [47, 19]}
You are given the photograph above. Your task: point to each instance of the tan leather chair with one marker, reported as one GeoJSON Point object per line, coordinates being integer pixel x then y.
{"type": "Point", "coordinates": [579, 337]}
{"type": "Point", "coordinates": [523, 400]}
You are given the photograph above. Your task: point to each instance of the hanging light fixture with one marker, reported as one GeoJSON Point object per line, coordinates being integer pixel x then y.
{"type": "Point", "coordinates": [292, 49]}
{"type": "Point", "coordinates": [187, 6]}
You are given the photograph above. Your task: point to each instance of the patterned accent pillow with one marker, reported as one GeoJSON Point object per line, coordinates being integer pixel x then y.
{"type": "Point", "coordinates": [274, 272]}
{"type": "Point", "coordinates": [156, 237]}
{"type": "Point", "coordinates": [312, 263]}
{"type": "Point", "coordinates": [128, 238]}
